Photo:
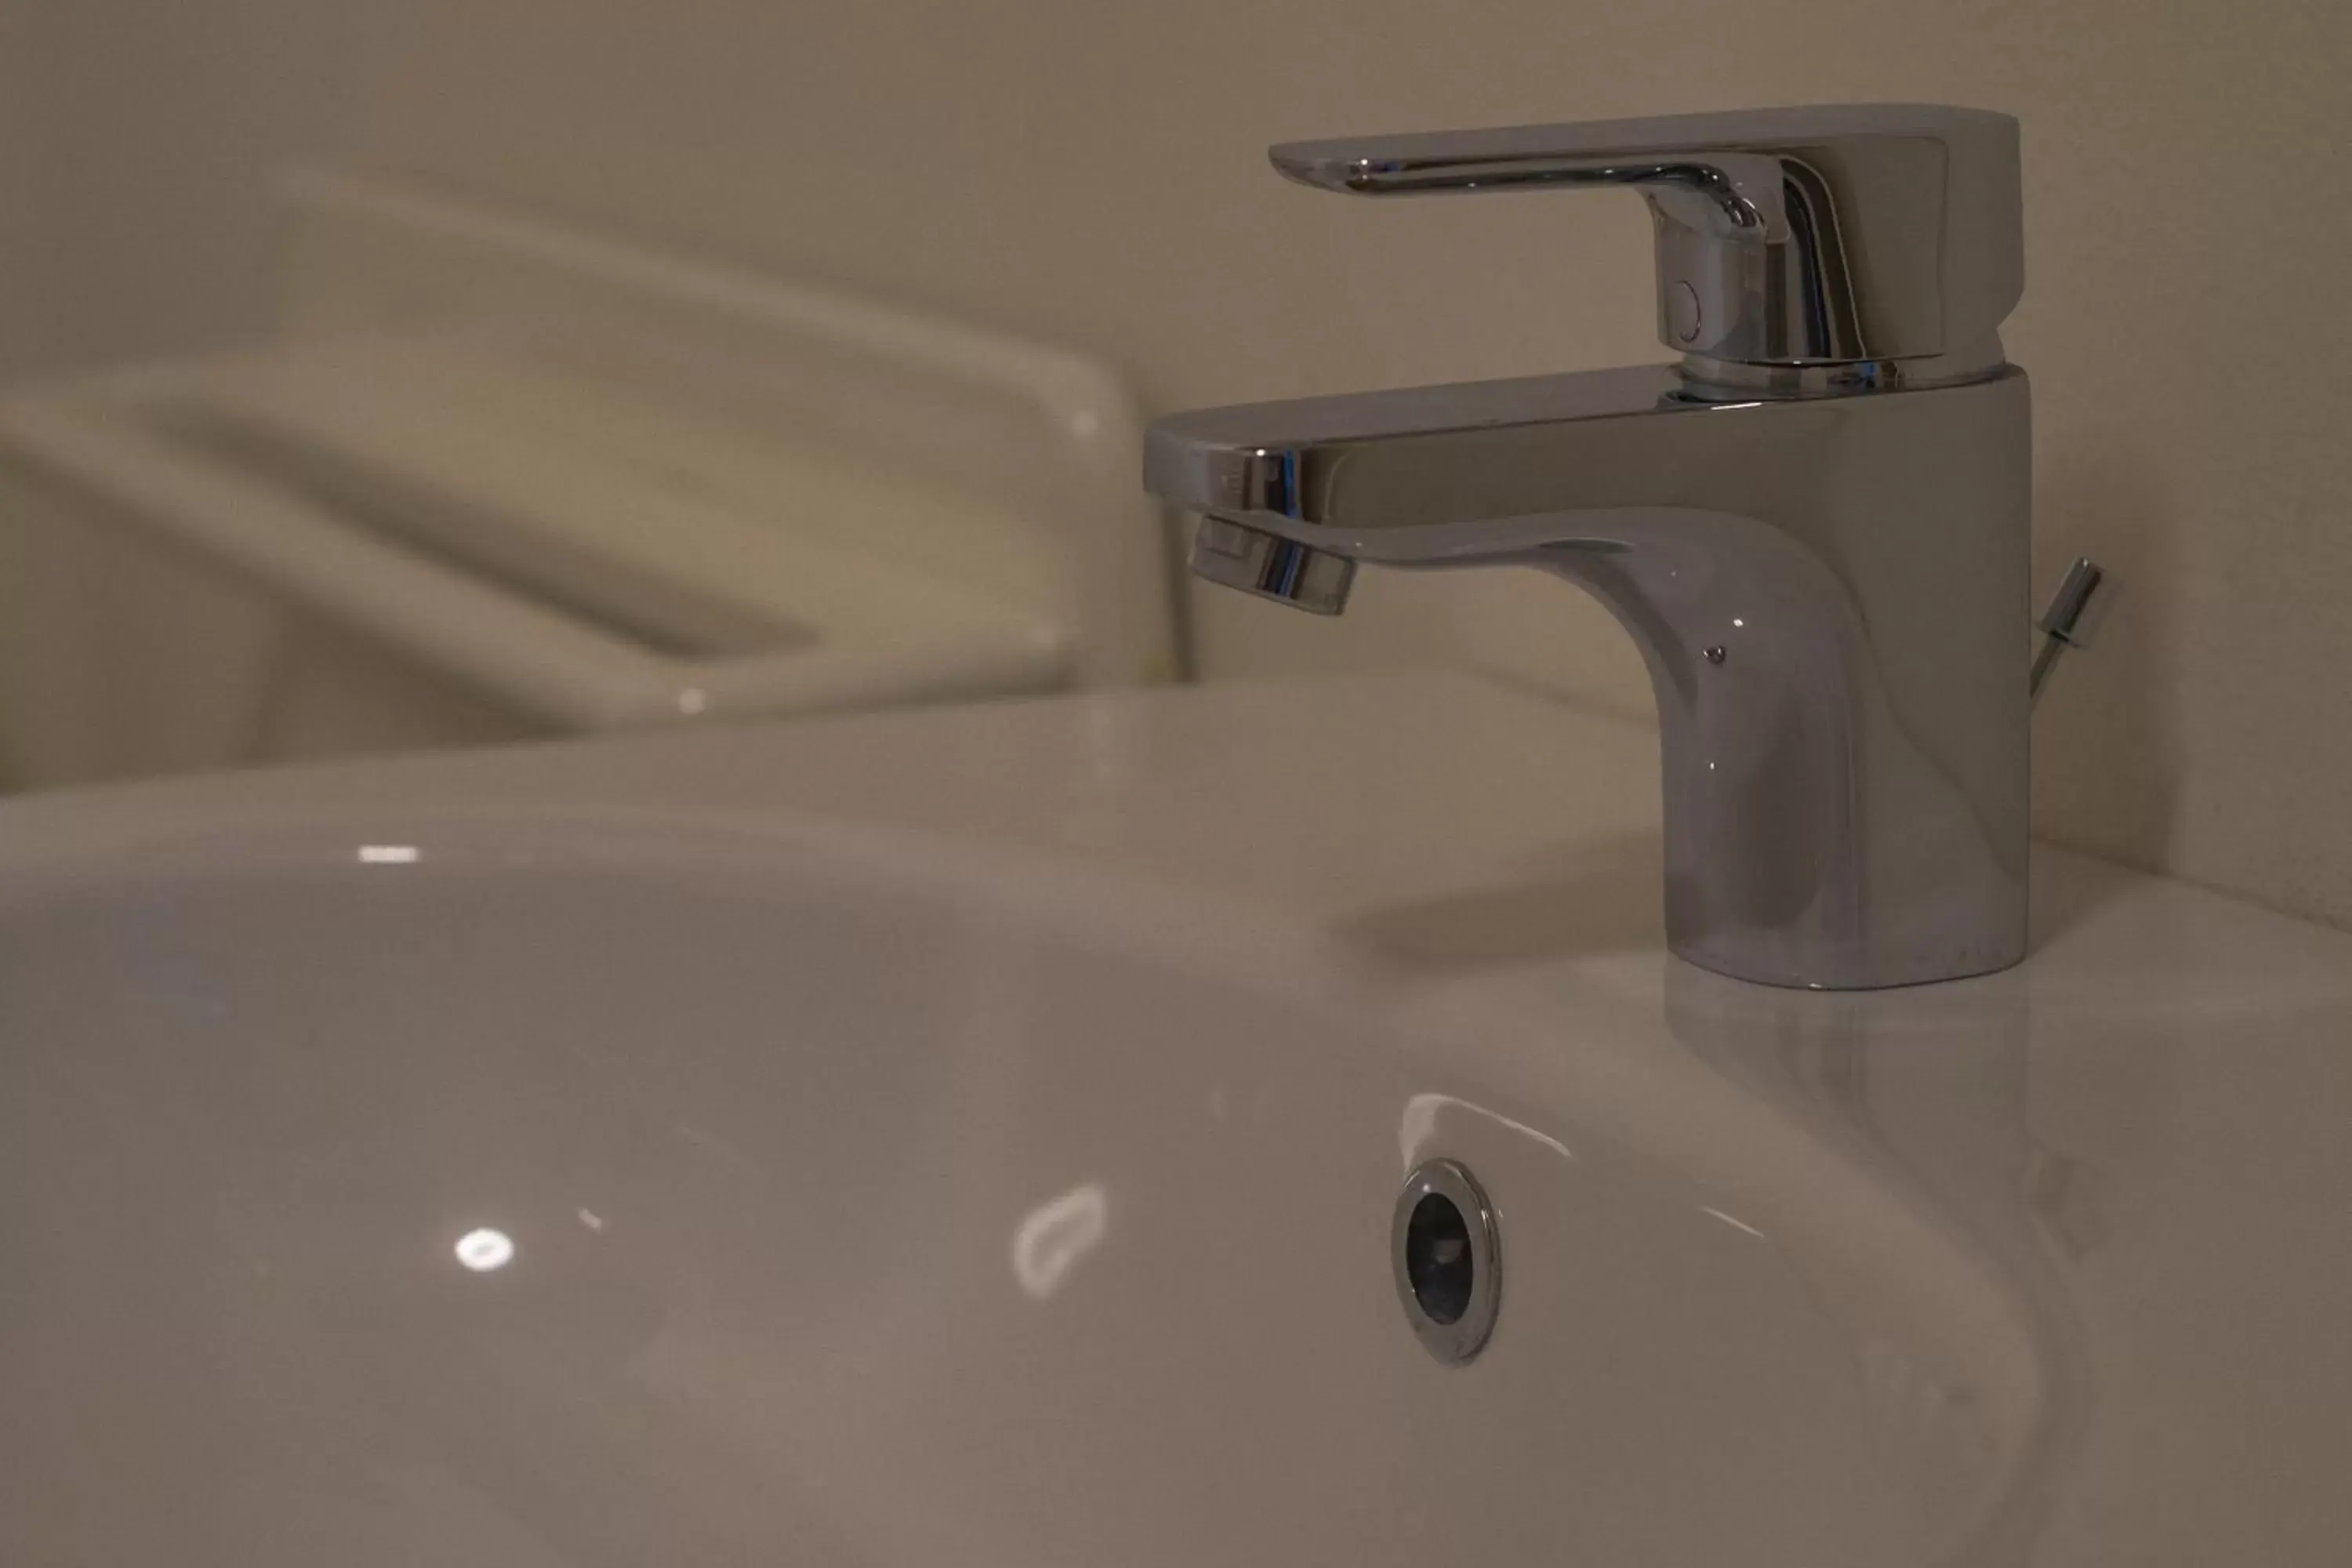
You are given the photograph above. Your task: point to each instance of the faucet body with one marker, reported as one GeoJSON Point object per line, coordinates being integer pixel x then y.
{"type": "Point", "coordinates": [1825, 584]}
{"type": "Point", "coordinates": [1815, 525]}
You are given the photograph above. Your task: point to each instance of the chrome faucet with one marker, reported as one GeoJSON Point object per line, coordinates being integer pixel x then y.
{"type": "Point", "coordinates": [1815, 524]}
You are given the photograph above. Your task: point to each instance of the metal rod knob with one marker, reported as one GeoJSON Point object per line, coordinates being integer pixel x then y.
{"type": "Point", "coordinates": [2072, 617]}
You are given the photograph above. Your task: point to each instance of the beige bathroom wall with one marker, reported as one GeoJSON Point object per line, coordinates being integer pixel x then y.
{"type": "Point", "coordinates": [26, 252]}
{"type": "Point", "coordinates": [1093, 172]}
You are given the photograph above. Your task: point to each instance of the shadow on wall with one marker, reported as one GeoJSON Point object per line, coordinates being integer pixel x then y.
{"type": "Point", "coordinates": [2106, 744]}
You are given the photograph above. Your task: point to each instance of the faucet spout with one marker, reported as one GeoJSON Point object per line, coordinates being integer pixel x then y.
{"type": "Point", "coordinates": [1826, 590]}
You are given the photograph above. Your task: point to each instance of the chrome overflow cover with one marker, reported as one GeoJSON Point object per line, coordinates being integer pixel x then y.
{"type": "Point", "coordinates": [1447, 1261]}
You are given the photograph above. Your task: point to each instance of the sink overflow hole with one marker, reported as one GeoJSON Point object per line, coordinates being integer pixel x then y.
{"type": "Point", "coordinates": [1447, 1261]}
{"type": "Point", "coordinates": [1437, 1257]}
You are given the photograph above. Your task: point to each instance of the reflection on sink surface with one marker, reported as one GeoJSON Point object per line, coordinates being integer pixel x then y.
{"type": "Point", "coordinates": [586, 1193]}
{"type": "Point", "coordinates": [949, 1138]}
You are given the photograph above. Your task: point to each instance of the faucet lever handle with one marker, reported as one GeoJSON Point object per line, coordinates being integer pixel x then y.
{"type": "Point", "coordinates": [1831, 235]}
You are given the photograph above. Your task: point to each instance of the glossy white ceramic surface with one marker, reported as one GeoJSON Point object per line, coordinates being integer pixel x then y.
{"type": "Point", "coordinates": [970, 1136]}
{"type": "Point", "coordinates": [496, 477]}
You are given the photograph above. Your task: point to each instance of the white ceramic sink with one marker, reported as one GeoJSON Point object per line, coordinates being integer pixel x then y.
{"type": "Point", "coordinates": [971, 1137]}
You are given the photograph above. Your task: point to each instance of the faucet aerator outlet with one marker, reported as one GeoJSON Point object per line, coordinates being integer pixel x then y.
{"type": "Point", "coordinates": [1235, 555]}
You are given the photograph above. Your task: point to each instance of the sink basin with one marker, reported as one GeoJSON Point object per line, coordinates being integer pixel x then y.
{"type": "Point", "coordinates": [924, 1140]}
